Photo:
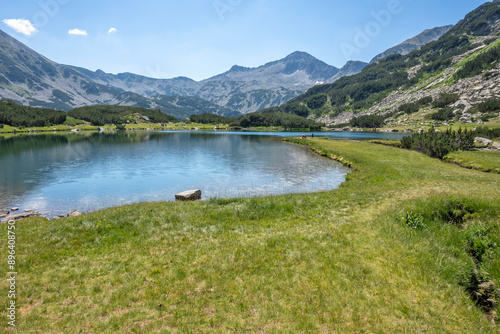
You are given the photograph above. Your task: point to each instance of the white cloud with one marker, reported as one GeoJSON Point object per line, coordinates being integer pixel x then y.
{"type": "Point", "coordinates": [77, 32]}
{"type": "Point", "coordinates": [112, 31]}
{"type": "Point", "coordinates": [21, 26]}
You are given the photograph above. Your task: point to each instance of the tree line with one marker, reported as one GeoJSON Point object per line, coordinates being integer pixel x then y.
{"type": "Point", "coordinates": [102, 115]}
{"type": "Point", "coordinates": [14, 114]}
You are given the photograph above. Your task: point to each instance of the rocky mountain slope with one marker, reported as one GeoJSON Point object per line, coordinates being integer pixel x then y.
{"type": "Point", "coordinates": [427, 36]}
{"type": "Point", "coordinates": [463, 63]}
{"type": "Point", "coordinates": [31, 79]}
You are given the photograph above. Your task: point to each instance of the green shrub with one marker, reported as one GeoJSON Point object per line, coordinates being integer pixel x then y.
{"type": "Point", "coordinates": [439, 144]}
{"type": "Point", "coordinates": [413, 221]}
{"type": "Point", "coordinates": [445, 99]}
{"type": "Point", "coordinates": [478, 241]}
{"type": "Point", "coordinates": [369, 121]}
{"type": "Point", "coordinates": [317, 101]}
{"type": "Point", "coordinates": [478, 65]}
{"type": "Point", "coordinates": [485, 132]}
{"type": "Point", "coordinates": [492, 105]}
{"type": "Point", "coordinates": [442, 115]}
{"type": "Point", "coordinates": [487, 117]}
{"type": "Point", "coordinates": [424, 101]}
{"type": "Point", "coordinates": [409, 108]}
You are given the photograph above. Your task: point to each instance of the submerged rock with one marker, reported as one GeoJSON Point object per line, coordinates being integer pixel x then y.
{"type": "Point", "coordinates": [190, 195]}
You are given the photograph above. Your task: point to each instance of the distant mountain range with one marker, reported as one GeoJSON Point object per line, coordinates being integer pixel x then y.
{"type": "Point", "coordinates": [240, 89]}
{"type": "Point", "coordinates": [31, 79]}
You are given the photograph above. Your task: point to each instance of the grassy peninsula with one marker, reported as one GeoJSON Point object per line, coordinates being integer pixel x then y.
{"type": "Point", "coordinates": [393, 250]}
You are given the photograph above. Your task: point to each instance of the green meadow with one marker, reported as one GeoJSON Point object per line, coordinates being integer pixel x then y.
{"type": "Point", "coordinates": [395, 249]}
{"type": "Point", "coordinates": [486, 161]}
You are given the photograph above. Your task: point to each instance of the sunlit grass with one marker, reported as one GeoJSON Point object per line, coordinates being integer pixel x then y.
{"type": "Point", "coordinates": [486, 161]}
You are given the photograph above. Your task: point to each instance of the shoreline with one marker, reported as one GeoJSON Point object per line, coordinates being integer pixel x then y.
{"type": "Point", "coordinates": [220, 128]}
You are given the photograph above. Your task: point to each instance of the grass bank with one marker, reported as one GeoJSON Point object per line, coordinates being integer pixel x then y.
{"type": "Point", "coordinates": [486, 161]}
{"type": "Point", "coordinates": [381, 254]}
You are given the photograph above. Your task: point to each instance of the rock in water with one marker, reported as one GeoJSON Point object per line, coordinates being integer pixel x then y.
{"type": "Point", "coordinates": [190, 195]}
{"type": "Point", "coordinates": [74, 213]}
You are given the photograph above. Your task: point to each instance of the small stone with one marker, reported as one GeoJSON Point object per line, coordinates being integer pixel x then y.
{"type": "Point", "coordinates": [30, 210]}
{"type": "Point", "coordinates": [63, 216]}
{"type": "Point", "coordinates": [74, 213]}
{"type": "Point", "coordinates": [14, 209]}
{"type": "Point", "coordinates": [56, 217]}
{"type": "Point", "coordinates": [190, 195]}
{"type": "Point", "coordinates": [486, 286]}
{"type": "Point", "coordinates": [492, 302]}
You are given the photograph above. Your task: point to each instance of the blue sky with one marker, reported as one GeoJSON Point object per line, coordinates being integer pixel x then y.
{"type": "Point", "coordinates": [202, 38]}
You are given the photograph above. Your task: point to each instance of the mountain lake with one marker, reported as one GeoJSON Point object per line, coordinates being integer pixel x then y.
{"type": "Point", "coordinates": [87, 171]}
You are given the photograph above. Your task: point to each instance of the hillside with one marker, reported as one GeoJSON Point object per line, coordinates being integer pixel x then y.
{"type": "Point", "coordinates": [29, 78]}
{"type": "Point", "coordinates": [463, 62]}
{"type": "Point", "coordinates": [102, 115]}
{"type": "Point", "coordinates": [427, 36]}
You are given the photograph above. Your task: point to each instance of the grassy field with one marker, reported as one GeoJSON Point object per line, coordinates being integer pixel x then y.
{"type": "Point", "coordinates": [391, 251]}
{"type": "Point", "coordinates": [486, 161]}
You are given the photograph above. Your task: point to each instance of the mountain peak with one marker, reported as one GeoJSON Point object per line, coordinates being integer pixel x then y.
{"type": "Point", "coordinates": [299, 55]}
{"type": "Point", "coordinates": [237, 68]}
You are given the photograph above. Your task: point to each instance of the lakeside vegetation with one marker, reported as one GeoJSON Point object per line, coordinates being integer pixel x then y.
{"type": "Point", "coordinates": [102, 115]}
{"type": "Point", "coordinates": [14, 114]}
{"type": "Point", "coordinates": [17, 118]}
{"type": "Point", "coordinates": [486, 161]}
{"type": "Point", "coordinates": [400, 247]}
{"type": "Point", "coordinates": [439, 144]}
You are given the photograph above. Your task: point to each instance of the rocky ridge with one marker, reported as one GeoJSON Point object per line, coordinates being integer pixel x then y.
{"type": "Point", "coordinates": [472, 91]}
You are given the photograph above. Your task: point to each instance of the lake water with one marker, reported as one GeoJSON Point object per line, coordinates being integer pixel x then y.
{"type": "Point", "coordinates": [90, 171]}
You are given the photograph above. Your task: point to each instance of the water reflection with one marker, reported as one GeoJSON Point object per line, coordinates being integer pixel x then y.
{"type": "Point", "coordinates": [92, 171]}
